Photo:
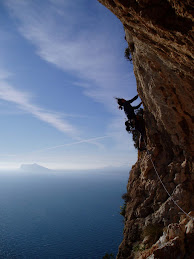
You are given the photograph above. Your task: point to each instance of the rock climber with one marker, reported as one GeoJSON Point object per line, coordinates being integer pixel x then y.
{"type": "Point", "coordinates": [128, 109]}
{"type": "Point", "coordinates": [134, 121]}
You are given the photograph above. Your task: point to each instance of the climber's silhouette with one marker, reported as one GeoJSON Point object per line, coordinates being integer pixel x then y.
{"type": "Point", "coordinates": [134, 121]}
{"type": "Point", "coordinates": [128, 109]}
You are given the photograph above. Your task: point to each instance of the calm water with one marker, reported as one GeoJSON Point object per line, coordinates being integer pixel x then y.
{"type": "Point", "coordinates": [60, 215]}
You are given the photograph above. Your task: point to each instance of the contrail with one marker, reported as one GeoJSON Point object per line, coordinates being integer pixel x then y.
{"type": "Point", "coordinates": [58, 146]}
{"type": "Point", "coordinates": [71, 144]}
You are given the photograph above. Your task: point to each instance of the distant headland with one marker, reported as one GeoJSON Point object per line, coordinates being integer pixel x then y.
{"type": "Point", "coordinates": [33, 168]}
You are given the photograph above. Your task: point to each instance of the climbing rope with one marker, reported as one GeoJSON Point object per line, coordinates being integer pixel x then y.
{"type": "Point", "coordinates": [150, 157]}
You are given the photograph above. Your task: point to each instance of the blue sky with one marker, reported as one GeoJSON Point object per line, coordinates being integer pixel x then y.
{"type": "Point", "coordinates": [62, 63]}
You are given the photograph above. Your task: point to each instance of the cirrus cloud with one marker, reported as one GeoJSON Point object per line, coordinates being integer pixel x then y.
{"type": "Point", "coordinates": [23, 101]}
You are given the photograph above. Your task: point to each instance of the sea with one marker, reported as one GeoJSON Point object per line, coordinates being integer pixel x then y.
{"type": "Point", "coordinates": [60, 214]}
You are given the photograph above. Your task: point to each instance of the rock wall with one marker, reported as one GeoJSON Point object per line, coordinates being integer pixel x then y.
{"type": "Point", "coordinates": [160, 38]}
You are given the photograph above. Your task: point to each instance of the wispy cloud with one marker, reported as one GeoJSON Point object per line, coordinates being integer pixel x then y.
{"type": "Point", "coordinates": [81, 44]}
{"type": "Point", "coordinates": [59, 32]}
{"type": "Point", "coordinates": [4, 74]}
{"type": "Point", "coordinates": [23, 101]}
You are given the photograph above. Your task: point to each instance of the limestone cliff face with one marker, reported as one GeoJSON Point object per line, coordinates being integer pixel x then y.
{"type": "Point", "coordinates": [160, 38]}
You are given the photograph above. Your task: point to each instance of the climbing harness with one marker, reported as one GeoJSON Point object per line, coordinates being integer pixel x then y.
{"type": "Point", "coordinates": [150, 157]}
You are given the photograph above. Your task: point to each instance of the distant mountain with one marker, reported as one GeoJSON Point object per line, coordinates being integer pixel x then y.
{"type": "Point", "coordinates": [33, 168]}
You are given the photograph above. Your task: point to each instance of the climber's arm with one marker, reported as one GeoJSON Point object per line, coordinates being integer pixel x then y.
{"type": "Point", "coordinates": [134, 98]}
{"type": "Point", "coordinates": [137, 107]}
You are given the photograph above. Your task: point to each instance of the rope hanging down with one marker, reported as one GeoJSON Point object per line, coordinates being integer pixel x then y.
{"type": "Point", "coordinates": [150, 157]}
